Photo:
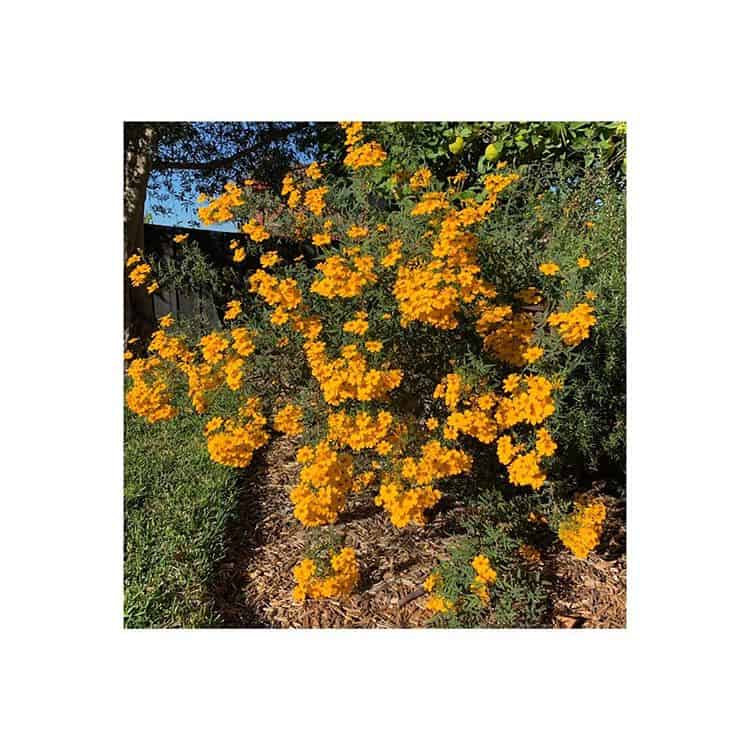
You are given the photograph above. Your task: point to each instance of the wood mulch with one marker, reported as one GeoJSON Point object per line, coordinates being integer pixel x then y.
{"type": "Point", "coordinates": [591, 593]}
{"type": "Point", "coordinates": [253, 584]}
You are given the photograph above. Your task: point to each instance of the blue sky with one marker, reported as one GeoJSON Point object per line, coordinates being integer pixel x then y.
{"type": "Point", "coordinates": [178, 215]}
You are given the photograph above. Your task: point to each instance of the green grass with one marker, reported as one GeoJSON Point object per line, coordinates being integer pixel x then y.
{"type": "Point", "coordinates": [177, 504]}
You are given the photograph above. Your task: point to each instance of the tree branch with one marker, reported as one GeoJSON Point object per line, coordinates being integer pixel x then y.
{"type": "Point", "coordinates": [201, 166]}
{"type": "Point", "coordinates": [263, 139]}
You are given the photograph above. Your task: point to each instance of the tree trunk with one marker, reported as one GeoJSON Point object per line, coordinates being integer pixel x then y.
{"type": "Point", "coordinates": [140, 143]}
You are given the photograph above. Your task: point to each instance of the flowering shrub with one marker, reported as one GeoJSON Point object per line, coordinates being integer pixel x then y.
{"type": "Point", "coordinates": [580, 531]}
{"type": "Point", "coordinates": [339, 583]}
{"type": "Point", "coordinates": [424, 360]}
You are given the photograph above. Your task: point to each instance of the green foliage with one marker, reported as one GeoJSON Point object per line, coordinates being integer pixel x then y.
{"type": "Point", "coordinates": [177, 504]}
{"type": "Point", "coordinates": [447, 147]}
{"type": "Point", "coordinates": [496, 525]}
{"type": "Point", "coordinates": [191, 269]}
{"type": "Point", "coordinates": [557, 215]}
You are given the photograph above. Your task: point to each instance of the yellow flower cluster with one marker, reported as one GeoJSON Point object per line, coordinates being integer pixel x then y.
{"type": "Point", "coordinates": [477, 422]}
{"type": "Point", "coordinates": [255, 230]}
{"type": "Point", "coordinates": [432, 582]}
{"type": "Point", "coordinates": [243, 341]}
{"type": "Point", "coordinates": [496, 183]}
{"type": "Point", "coordinates": [236, 441]}
{"type": "Point", "coordinates": [212, 425]}
{"type": "Point", "coordinates": [234, 308]}
{"type": "Point", "coordinates": [285, 294]}
{"type": "Point", "coordinates": [574, 326]}
{"type": "Point", "coordinates": [530, 401]}
{"type": "Point", "coordinates": [353, 131]}
{"type": "Point", "coordinates": [393, 255]}
{"type": "Point", "coordinates": [314, 171]}
{"type": "Point", "coordinates": [429, 203]}
{"type": "Point", "coordinates": [424, 293]}
{"type": "Point", "coordinates": [506, 450]}
{"type": "Point", "coordinates": [364, 155]}
{"type": "Point", "coordinates": [449, 389]}
{"type": "Point", "coordinates": [220, 208]}
{"type": "Point", "coordinates": [580, 532]}
{"type": "Point", "coordinates": [340, 584]}
{"type": "Point", "coordinates": [439, 604]}
{"type": "Point", "coordinates": [202, 378]}
{"type": "Point", "coordinates": [288, 188]}
{"type": "Point", "coordinates": [549, 269]}
{"type": "Point", "coordinates": [529, 296]}
{"type": "Point", "coordinates": [239, 252]}
{"type": "Point", "coordinates": [370, 154]}
{"type": "Point", "coordinates": [213, 345]}
{"type": "Point", "coordinates": [506, 334]}
{"type": "Point", "coordinates": [149, 395]}
{"type": "Point", "coordinates": [171, 348]}
{"type": "Point", "coordinates": [407, 505]}
{"type": "Point", "coordinates": [361, 431]}
{"type": "Point", "coordinates": [315, 200]}
{"type": "Point", "coordinates": [344, 277]}
{"type": "Point", "coordinates": [431, 292]}
{"type": "Point", "coordinates": [420, 179]}
{"type": "Point", "coordinates": [485, 576]}
{"type": "Point", "coordinates": [289, 420]}
{"type": "Point", "coordinates": [533, 353]}
{"type": "Point", "coordinates": [233, 369]}
{"type": "Point", "coordinates": [324, 484]}
{"type": "Point", "coordinates": [348, 376]}
{"type": "Point", "coordinates": [545, 445]}
{"type": "Point", "coordinates": [358, 325]}
{"type": "Point", "coordinates": [321, 239]}
{"type": "Point", "coordinates": [436, 462]}
{"type": "Point", "coordinates": [525, 470]}
{"type": "Point", "coordinates": [363, 480]}
{"type": "Point", "coordinates": [270, 259]}
{"type": "Point", "coordinates": [141, 273]}
{"type": "Point", "coordinates": [357, 232]}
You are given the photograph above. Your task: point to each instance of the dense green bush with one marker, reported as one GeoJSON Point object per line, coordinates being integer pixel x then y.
{"type": "Point", "coordinates": [561, 216]}
{"type": "Point", "coordinates": [573, 173]}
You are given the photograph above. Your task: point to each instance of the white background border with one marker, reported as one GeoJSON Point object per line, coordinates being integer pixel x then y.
{"type": "Point", "coordinates": [73, 72]}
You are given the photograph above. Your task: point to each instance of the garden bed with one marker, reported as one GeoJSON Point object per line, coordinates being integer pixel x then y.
{"type": "Point", "coordinates": [253, 585]}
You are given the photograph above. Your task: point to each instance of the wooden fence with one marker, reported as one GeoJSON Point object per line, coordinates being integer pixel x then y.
{"type": "Point", "coordinates": [159, 242]}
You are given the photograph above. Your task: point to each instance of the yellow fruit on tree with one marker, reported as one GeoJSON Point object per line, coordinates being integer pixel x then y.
{"type": "Point", "coordinates": [457, 146]}
{"type": "Point", "coordinates": [492, 152]}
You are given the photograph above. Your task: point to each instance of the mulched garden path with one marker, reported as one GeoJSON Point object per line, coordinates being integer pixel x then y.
{"type": "Point", "coordinates": [253, 584]}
